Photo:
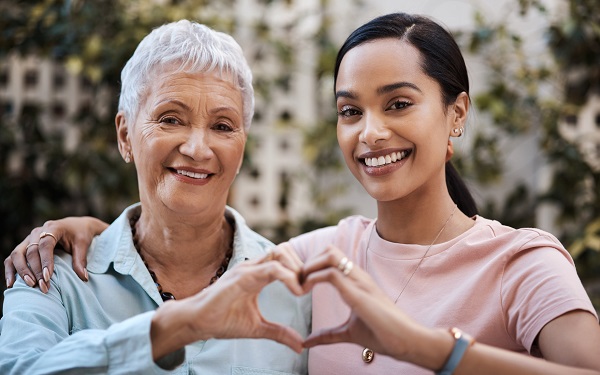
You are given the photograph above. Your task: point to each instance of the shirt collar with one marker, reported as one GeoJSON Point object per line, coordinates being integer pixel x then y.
{"type": "Point", "coordinates": [115, 244]}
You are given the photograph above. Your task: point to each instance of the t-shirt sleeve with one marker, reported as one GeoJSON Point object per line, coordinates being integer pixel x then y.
{"type": "Point", "coordinates": [539, 284]}
{"type": "Point", "coordinates": [312, 243]}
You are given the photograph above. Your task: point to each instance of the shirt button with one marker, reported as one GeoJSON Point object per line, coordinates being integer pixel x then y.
{"type": "Point", "coordinates": [368, 355]}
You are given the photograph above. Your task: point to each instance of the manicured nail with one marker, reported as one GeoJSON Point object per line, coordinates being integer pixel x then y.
{"type": "Point", "coordinates": [46, 274]}
{"type": "Point", "coordinates": [7, 282]}
{"type": "Point", "coordinates": [85, 273]}
{"type": "Point", "coordinates": [43, 286]}
{"type": "Point", "coordinates": [29, 281]}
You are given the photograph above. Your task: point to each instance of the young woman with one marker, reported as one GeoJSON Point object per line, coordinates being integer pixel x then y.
{"type": "Point", "coordinates": [398, 285]}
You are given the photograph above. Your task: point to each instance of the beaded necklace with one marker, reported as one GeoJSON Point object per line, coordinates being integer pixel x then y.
{"type": "Point", "coordinates": [166, 296]}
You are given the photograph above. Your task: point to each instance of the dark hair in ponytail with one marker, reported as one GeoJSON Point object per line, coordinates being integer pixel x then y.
{"type": "Point", "coordinates": [442, 61]}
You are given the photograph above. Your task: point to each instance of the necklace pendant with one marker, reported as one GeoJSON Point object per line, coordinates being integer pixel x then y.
{"type": "Point", "coordinates": [368, 355]}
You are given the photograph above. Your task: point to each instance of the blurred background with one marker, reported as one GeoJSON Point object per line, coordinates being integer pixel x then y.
{"type": "Point", "coordinates": [531, 153]}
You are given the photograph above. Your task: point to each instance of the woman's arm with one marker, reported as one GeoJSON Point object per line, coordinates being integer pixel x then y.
{"type": "Point", "coordinates": [569, 343]}
{"type": "Point", "coordinates": [35, 263]}
{"type": "Point", "coordinates": [36, 337]}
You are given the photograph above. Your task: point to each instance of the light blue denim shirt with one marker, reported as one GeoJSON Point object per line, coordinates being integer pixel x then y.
{"type": "Point", "coordinates": [103, 325]}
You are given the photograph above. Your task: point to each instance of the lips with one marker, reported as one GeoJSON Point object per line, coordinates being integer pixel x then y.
{"type": "Point", "coordinates": [192, 176]}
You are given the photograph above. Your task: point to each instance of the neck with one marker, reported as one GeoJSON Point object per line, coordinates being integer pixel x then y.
{"type": "Point", "coordinates": [184, 256]}
{"type": "Point", "coordinates": [420, 220]}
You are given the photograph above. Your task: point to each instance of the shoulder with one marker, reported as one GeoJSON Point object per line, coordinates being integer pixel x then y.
{"type": "Point", "coordinates": [246, 242]}
{"type": "Point", "coordinates": [349, 226]}
{"type": "Point", "coordinates": [114, 245]}
{"type": "Point", "coordinates": [345, 235]}
{"type": "Point", "coordinates": [494, 235]}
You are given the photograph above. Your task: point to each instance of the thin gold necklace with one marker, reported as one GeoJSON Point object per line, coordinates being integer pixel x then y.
{"type": "Point", "coordinates": [368, 354]}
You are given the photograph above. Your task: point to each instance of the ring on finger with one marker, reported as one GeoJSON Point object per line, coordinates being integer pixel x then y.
{"type": "Point", "coordinates": [44, 234]}
{"type": "Point", "coordinates": [342, 263]}
{"type": "Point", "coordinates": [347, 268]}
{"type": "Point", "coordinates": [32, 244]}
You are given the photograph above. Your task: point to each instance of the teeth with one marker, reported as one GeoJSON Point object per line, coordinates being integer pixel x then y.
{"type": "Point", "coordinates": [387, 159]}
{"type": "Point", "coordinates": [192, 174]}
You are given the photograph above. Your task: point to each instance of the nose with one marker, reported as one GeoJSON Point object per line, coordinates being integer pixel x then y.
{"type": "Point", "coordinates": [374, 129]}
{"type": "Point", "coordinates": [196, 144]}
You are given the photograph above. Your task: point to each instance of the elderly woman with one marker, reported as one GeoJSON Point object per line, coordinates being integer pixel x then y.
{"type": "Point", "coordinates": [185, 108]}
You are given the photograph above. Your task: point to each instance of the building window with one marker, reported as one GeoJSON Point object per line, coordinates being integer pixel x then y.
{"type": "Point", "coordinates": [58, 110]}
{"type": "Point", "coordinates": [285, 116]}
{"type": "Point", "coordinates": [85, 83]}
{"type": "Point", "coordinates": [59, 79]}
{"type": "Point", "coordinates": [255, 202]}
{"type": "Point", "coordinates": [284, 145]}
{"type": "Point", "coordinates": [31, 78]}
{"type": "Point", "coordinates": [3, 77]}
{"type": "Point", "coordinates": [254, 173]}
{"type": "Point", "coordinates": [6, 108]}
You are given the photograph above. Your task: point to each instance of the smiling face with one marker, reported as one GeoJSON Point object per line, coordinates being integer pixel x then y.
{"type": "Point", "coordinates": [393, 127]}
{"type": "Point", "coordinates": [187, 141]}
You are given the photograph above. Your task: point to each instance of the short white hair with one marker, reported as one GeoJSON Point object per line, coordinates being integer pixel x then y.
{"type": "Point", "coordinates": [192, 48]}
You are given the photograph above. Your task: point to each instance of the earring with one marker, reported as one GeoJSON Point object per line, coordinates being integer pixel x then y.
{"type": "Point", "coordinates": [128, 157]}
{"type": "Point", "coordinates": [458, 132]}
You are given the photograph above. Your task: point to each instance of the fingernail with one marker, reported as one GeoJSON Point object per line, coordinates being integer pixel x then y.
{"type": "Point", "coordinates": [29, 281]}
{"type": "Point", "coordinates": [85, 273]}
{"type": "Point", "coordinates": [43, 286]}
{"type": "Point", "coordinates": [7, 283]}
{"type": "Point", "coordinates": [46, 274]}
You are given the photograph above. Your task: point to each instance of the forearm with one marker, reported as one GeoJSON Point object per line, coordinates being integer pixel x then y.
{"type": "Point", "coordinates": [434, 346]}
{"type": "Point", "coordinates": [170, 329]}
{"type": "Point", "coordinates": [486, 359]}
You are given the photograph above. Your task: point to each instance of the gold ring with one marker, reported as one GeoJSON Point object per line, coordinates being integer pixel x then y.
{"type": "Point", "coordinates": [32, 244]}
{"type": "Point", "coordinates": [44, 234]}
{"type": "Point", "coordinates": [342, 263]}
{"type": "Point", "coordinates": [347, 268]}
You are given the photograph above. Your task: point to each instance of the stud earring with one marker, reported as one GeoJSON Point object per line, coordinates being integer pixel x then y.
{"type": "Point", "coordinates": [128, 157]}
{"type": "Point", "coordinates": [458, 132]}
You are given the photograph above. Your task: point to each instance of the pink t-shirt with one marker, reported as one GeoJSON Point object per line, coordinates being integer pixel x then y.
{"type": "Point", "coordinates": [496, 283]}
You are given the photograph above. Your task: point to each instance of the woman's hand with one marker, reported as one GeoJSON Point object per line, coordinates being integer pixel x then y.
{"type": "Point", "coordinates": [227, 309]}
{"type": "Point", "coordinates": [33, 259]}
{"type": "Point", "coordinates": [375, 321]}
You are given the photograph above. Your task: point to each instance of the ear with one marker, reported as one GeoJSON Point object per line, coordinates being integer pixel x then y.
{"type": "Point", "coordinates": [123, 135]}
{"type": "Point", "coordinates": [459, 112]}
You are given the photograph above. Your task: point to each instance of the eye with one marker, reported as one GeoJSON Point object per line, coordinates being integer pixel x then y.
{"type": "Point", "coordinates": [170, 120]}
{"type": "Point", "coordinates": [399, 104]}
{"type": "Point", "coordinates": [348, 111]}
{"type": "Point", "coordinates": [223, 127]}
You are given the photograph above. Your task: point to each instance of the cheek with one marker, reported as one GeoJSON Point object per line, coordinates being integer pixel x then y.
{"type": "Point", "coordinates": [345, 140]}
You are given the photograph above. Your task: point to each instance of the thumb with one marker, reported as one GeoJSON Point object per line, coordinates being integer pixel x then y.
{"type": "Point", "coordinates": [283, 335]}
{"type": "Point", "coordinates": [80, 260]}
{"type": "Point", "coordinates": [328, 336]}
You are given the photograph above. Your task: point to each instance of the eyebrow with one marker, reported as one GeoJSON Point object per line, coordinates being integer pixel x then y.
{"type": "Point", "coordinates": [189, 109]}
{"type": "Point", "coordinates": [382, 90]}
{"type": "Point", "coordinates": [394, 86]}
{"type": "Point", "coordinates": [174, 101]}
